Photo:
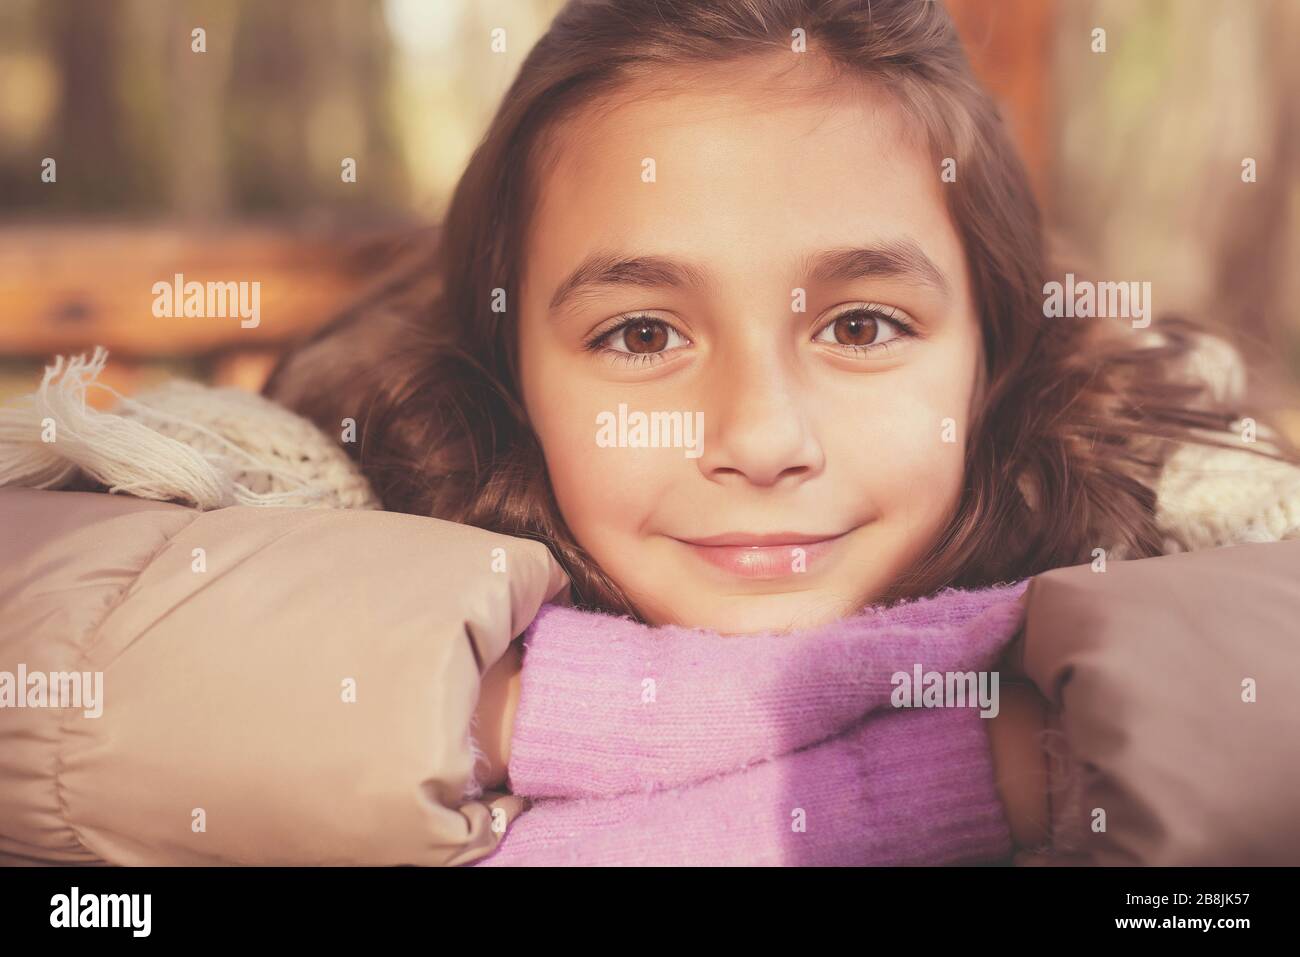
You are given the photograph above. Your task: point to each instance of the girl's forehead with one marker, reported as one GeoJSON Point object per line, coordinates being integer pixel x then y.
{"type": "Point", "coordinates": [730, 168]}
{"type": "Point", "coordinates": [721, 102]}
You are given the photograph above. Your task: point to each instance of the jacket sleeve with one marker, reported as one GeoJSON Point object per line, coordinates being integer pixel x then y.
{"type": "Point", "coordinates": [279, 686]}
{"type": "Point", "coordinates": [1177, 684]}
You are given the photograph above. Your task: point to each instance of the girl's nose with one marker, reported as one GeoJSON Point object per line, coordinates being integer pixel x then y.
{"type": "Point", "coordinates": [757, 426]}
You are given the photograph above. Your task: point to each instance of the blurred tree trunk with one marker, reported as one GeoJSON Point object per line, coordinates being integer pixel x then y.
{"type": "Point", "coordinates": [197, 99]}
{"type": "Point", "coordinates": [1256, 285]}
{"type": "Point", "coordinates": [83, 39]}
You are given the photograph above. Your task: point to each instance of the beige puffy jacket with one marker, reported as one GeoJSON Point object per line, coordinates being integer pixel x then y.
{"type": "Point", "coordinates": [279, 686]}
{"type": "Point", "coordinates": [296, 686]}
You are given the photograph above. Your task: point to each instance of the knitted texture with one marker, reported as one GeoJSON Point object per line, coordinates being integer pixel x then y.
{"type": "Point", "coordinates": [900, 788]}
{"type": "Point", "coordinates": [265, 448]}
{"type": "Point", "coordinates": [609, 706]}
{"type": "Point", "coordinates": [202, 446]}
{"type": "Point", "coordinates": [1209, 496]}
{"type": "Point", "coordinates": [668, 745]}
{"type": "Point", "coordinates": [1213, 497]}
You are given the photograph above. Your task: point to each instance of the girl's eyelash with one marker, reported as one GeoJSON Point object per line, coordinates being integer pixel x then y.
{"type": "Point", "coordinates": [895, 317]}
{"type": "Point", "coordinates": [595, 343]}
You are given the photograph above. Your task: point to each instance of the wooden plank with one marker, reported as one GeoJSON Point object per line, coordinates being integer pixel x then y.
{"type": "Point", "coordinates": [69, 288]}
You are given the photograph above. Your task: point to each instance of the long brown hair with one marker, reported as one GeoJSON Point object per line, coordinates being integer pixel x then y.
{"type": "Point", "coordinates": [1076, 418]}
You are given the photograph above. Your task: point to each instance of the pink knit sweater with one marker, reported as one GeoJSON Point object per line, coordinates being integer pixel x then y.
{"type": "Point", "coordinates": [674, 746]}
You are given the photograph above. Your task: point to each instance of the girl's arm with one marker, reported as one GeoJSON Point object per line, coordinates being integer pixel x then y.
{"type": "Point", "coordinates": [181, 653]}
{"type": "Point", "coordinates": [494, 717]}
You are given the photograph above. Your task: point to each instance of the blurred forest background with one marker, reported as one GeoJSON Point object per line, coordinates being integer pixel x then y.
{"type": "Point", "coordinates": [226, 164]}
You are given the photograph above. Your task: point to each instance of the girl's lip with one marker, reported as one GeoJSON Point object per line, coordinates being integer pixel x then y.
{"type": "Point", "coordinates": [756, 558]}
{"type": "Point", "coordinates": [751, 539]}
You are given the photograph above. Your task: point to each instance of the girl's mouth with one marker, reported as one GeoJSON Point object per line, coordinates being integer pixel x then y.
{"type": "Point", "coordinates": [766, 556]}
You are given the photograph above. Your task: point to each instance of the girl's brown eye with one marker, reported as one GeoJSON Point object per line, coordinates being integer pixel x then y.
{"type": "Point", "coordinates": [645, 336]}
{"type": "Point", "coordinates": [637, 338]}
{"type": "Point", "coordinates": [855, 329]}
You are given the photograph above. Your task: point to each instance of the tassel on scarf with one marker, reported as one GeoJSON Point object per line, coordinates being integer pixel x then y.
{"type": "Point", "coordinates": [51, 438]}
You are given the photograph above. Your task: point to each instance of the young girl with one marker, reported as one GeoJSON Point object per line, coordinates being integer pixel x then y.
{"type": "Point", "coordinates": [802, 225]}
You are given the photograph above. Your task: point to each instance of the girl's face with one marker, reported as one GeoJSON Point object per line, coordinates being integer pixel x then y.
{"type": "Point", "coordinates": [779, 268]}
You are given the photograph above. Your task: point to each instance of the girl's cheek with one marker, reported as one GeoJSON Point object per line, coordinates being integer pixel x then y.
{"type": "Point", "coordinates": [908, 451]}
{"type": "Point", "coordinates": [601, 486]}
{"type": "Point", "coordinates": [598, 487]}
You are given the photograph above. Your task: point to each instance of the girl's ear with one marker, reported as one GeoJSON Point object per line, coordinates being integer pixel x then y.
{"type": "Point", "coordinates": [1029, 490]}
{"type": "Point", "coordinates": [1024, 528]}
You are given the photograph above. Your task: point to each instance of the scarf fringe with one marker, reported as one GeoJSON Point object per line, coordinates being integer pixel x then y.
{"type": "Point", "coordinates": [50, 438]}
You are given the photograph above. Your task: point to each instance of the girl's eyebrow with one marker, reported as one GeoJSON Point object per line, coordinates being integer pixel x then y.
{"type": "Point", "coordinates": [612, 269]}
{"type": "Point", "coordinates": [900, 258]}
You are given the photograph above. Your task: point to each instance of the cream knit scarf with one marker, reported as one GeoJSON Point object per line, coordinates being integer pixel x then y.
{"type": "Point", "coordinates": [199, 445]}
